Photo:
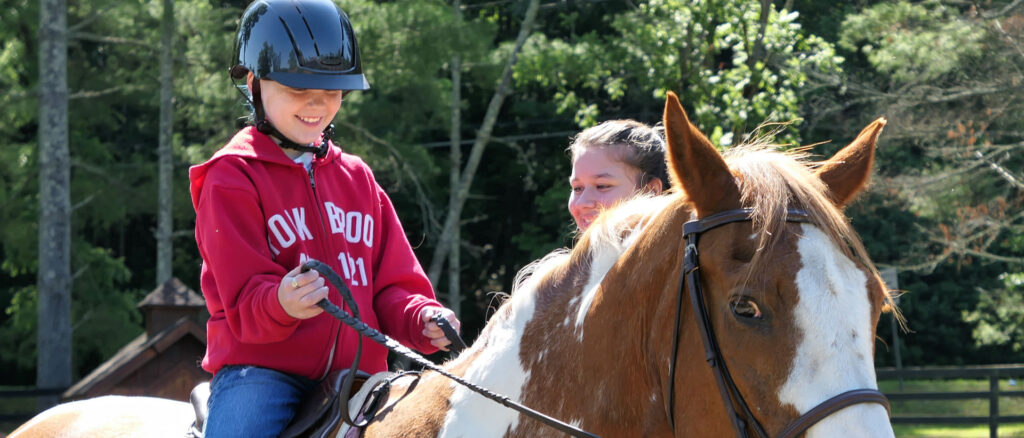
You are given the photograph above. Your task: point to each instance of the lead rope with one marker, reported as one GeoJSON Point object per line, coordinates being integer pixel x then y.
{"type": "Point", "coordinates": [402, 350]}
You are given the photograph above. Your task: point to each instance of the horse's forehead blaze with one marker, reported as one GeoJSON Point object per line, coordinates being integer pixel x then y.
{"type": "Point", "coordinates": [834, 316]}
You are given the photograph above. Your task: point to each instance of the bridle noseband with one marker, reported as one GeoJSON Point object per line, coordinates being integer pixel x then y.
{"type": "Point", "coordinates": [731, 396]}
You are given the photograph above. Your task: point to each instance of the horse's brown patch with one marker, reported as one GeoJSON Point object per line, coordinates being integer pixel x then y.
{"type": "Point", "coordinates": [54, 424]}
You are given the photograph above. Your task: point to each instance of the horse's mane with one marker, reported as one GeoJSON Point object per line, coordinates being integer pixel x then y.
{"type": "Point", "coordinates": [770, 181]}
{"type": "Point", "coordinates": [604, 241]}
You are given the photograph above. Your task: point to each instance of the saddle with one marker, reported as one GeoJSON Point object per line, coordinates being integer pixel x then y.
{"type": "Point", "coordinates": [320, 414]}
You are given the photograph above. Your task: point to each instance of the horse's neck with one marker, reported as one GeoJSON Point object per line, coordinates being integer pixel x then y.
{"type": "Point", "coordinates": [563, 344]}
{"type": "Point", "coordinates": [622, 333]}
{"type": "Point", "coordinates": [585, 345]}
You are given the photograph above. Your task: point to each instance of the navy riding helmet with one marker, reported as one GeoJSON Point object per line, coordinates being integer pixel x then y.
{"type": "Point", "coordinates": [299, 43]}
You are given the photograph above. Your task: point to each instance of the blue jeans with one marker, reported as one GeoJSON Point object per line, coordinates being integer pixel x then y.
{"type": "Point", "coordinates": [249, 401]}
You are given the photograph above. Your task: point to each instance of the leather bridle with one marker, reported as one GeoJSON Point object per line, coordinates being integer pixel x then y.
{"type": "Point", "coordinates": [744, 419]}
{"type": "Point", "coordinates": [730, 394]}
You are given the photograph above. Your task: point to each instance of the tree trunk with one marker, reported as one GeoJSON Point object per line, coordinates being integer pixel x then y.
{"type": "Point", "coordinates": [165, 216]}
{"type": "Point", "coordinates": [454, 264]}
{"type": "Point", "coordinates": [458, 199]}
{"type": "Point", "coordinates": [53, 364]}
{"type": "Point", "coordinates": [756, 52]}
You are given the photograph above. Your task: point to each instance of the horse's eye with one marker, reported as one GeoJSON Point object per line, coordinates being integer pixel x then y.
{"type": "Point", "coordinates": [746, 308]}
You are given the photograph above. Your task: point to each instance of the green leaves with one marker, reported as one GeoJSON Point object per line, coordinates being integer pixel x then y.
{"type": "Point", "coordinates": [703, 50]}
{"type": "Point", "coordinates": [913, 42]}
{"type": "Point", "coordinates": [930, 69]}
{"type": "Point", "coordinates": [104, 316]}
{"type": "Point", "coordinates": [998, 318]}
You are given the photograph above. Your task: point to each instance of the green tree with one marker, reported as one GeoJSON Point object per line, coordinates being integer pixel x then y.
{"type": "Point", "coordinates": [999, 316]}
{"type": "Point", "coordinates": [948, 80]}
{"type": "Point", "coordinates": [112, 119]}
{"type": "Point", "coordinates": [734, 64]}
{"type": "Point", "coordinates": [946, 77]}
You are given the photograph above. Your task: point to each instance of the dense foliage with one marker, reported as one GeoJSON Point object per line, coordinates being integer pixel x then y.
{"type": "Point", "coordinates": [944, 208]}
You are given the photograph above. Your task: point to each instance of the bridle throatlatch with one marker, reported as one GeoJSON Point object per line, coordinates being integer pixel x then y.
{"type": "Point", "coordinates": [744, 419]}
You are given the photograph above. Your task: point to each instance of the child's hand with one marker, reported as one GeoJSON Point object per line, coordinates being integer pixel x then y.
{"type": "Point", "coordinates": [432, 331]}
{"type": "Point", "coordinates": [300, 291]}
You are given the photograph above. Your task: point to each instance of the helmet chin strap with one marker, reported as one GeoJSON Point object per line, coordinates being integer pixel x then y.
{"type": "Point", "coordinates": [264, 126]}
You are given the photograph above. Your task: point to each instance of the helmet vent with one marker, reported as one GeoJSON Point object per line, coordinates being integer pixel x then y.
{"type": "Point", "coordinates": [288, 31]}
{"type": "Point", "coordinates": [312, 38]}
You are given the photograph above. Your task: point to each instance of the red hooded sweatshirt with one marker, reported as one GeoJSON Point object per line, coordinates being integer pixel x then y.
{"type": "Point", "coordinates": [258, 216]}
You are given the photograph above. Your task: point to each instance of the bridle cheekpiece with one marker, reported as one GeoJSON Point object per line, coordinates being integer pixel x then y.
{"type": "Point", "coordinates": [744, 419]}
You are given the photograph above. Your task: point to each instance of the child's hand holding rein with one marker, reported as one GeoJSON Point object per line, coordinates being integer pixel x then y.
{"type": "Point", "coordinates": [432, 331]}
{"type": "Point", "coordinates": [299, 292]}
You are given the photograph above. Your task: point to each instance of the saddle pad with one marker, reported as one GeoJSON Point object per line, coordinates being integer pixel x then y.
{"type": "Point", "coordinates": [356, 401]}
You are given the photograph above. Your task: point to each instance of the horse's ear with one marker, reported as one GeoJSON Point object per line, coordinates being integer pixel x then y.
{"type": "Point", "coordinates": [848, 170]}
{"type": "Point", "coordinates": [696, 165]}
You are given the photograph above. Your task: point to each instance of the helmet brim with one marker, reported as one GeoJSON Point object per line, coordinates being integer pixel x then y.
{"type": "Point", "coordinates": [320, 81]}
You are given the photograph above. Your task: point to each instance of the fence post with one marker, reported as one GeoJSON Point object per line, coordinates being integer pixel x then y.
{"type": "Point", "coordinates": [993, 405]}
{"type": "Point", "coordinates": [892, 282]}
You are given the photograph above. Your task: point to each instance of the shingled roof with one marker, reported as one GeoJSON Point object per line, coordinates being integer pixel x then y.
{"type": "Point", "coordinates": [132, 357]}
{"type": "Point", "coordinates": [172, 293]}
{"type": "Point", "coordinates": [163, 361]}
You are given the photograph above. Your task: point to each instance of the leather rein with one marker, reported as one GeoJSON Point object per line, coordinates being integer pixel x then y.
{"type": "Point", "coordinates": [397, 348]}
{"type": "Point", "coordinates": [731, 397]}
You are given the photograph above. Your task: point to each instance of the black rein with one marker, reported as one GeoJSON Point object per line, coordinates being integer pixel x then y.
{"type": "Point", "coordinates": [402, 350]}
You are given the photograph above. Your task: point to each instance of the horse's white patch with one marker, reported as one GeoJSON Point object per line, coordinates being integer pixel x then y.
{"type": "Point", "coordinates": [497, 368]}
{"type": "Point", "coordinates": [115, 415]}
{"type": "Point", "coordinates": [603, 257]}
{"type": "Point", "coordinates": [834, 353]}
{"type": "Point", "coordinates": [568, 314]}
{"type": "Point", "coordinates": [496, 364]}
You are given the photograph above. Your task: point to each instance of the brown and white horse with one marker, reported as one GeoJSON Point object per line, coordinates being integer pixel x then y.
{"type": "Point", "coordinates": [587, 336]}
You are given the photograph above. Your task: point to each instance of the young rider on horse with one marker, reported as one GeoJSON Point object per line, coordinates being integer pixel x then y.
{"type": "Point", "coordinates": [612, 162]}
{"type": "Point", "coordinates": [280, 193]}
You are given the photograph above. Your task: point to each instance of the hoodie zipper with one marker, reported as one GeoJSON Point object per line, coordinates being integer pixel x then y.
{"type": "Point", "coordinates": [323, 231]}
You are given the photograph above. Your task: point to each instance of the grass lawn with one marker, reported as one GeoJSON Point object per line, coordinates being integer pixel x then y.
{"type": "Point", "coordinates": [912, 431]}
{"type": "Point", "coordinates": [953, 408]}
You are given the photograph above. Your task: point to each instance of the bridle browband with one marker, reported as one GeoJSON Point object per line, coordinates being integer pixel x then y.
{"type": "Point", "coordinates": [731, 397]}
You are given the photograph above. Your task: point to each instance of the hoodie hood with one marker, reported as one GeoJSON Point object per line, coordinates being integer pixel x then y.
{"type": "Point", "coordinates": [249, 144]}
